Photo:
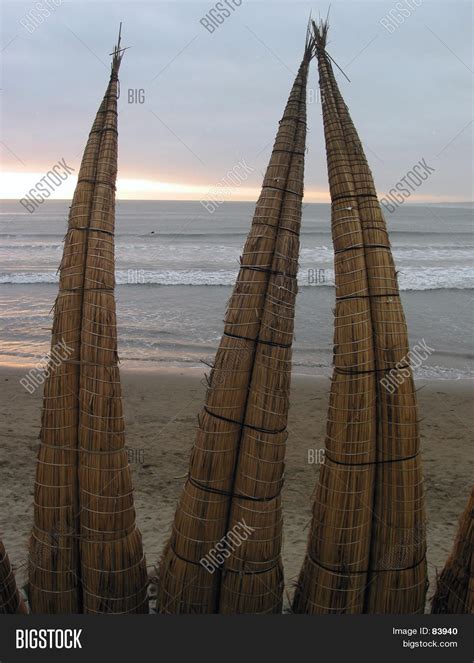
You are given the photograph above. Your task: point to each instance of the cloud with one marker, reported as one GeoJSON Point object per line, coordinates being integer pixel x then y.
{"type": "Point", "coordinates": [219, 96]}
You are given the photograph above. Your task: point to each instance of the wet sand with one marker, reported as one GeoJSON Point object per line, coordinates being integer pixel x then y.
{"type": "Point", "coordinates": [161, 409]}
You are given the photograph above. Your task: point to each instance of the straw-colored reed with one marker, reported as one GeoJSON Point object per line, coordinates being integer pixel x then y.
{"type": "Point", "coordinates": [11, 601]}
{"type": "Point", "coordinates": [366, 550]}
{"type": "Point", "coordinates": [237, 461]}
{"type": "Point", "coordinates": [455, 584]}
{"type": "Point", "coordinates": [86, 553]}
{"type": "Point", "coordinates": [398, 537]}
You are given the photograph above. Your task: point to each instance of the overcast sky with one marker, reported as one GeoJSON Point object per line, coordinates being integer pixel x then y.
{"type": "Point", "coordinates": [214, 99]}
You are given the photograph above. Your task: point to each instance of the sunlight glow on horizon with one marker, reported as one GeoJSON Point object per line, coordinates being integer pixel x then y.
{"type": "Point", "coordinates": [14, 186]}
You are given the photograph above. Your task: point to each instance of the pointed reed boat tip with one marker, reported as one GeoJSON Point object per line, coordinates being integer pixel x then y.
{"type": "Point", "coordinates": [86, 554]}
{"type": "Point", "coordinates": [117, 53]}
{"type": "Point", "coordinates": [309, 48]}
{"type": "Point", "coordinates": [239, 447]}
{"type": "Point", "coordinates": [366, 549]}
{"type": "Point", "coordinates": [320, 41]}
{"type": "Point", "coordinates": [320, 31]}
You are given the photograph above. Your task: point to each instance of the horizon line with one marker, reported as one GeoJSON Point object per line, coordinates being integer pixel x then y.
{"type": "Point", "coordinates": [199, 200]}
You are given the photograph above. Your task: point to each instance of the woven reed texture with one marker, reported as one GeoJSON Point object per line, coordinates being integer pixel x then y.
{"type": "Point", "coordinates": [455, 584]}
{"type": "Point", "coordinates": [86, 553]}
{"type": "Point", "coordinates": [237, 461]}
{"type": "Point", "coordinates": [10, 598]}
{"type": "Point", "coordinates": [366, 551]}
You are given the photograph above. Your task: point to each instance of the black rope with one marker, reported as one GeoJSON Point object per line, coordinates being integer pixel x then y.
{"type": "Point", "coordinates": [373, 370]}
{"type": "Point", "coordinates": [184, 559]}
{"type": "Point", "coordinates": [87, 228]}
{"type": "Point", "coordinates": [373, 462]}
{"type": "Point", "coordinates": [94, 181]}
{"type": "Point", "coordinates": [387, 294]}
{"type": "Point", "coordinates": [99, 131]}
{"type": "Point", "coordinates": [226, 493]}
{"type": "Point", "coordinates": [349, 248]}
{"type": "Point", "coordinates": [266, 270]}
{"type": "Point", "coordinates": [383, 230]}
{"type": "Point", "coordinates": [242, 424]}
{"type": "Point", "coordinates": [277, 188]}
{"type": "Point", "coordinates": [346, 196]}
{"type": "Point", "coordinates": [250, 573]}
{"type": "Point", "coordinates": [343, 159]}
{"type": "Point", "coordinates": [221, 564]}
{"type": "Point", "coordinates": [281, 149]}
{"type": "Point", "coordinates": [290, 230]}
{"type": "Point", "coordinates": [350, 573]}
{"type": "Point", "coordinates": [363, 246]}
{"type": "Point", "coordinates": [259, 340]}
{"type": "Point", "coordinates": [257, 222]}
{"type": "Point", "coordinates": [83, 289]}
{"type": "Point", "coordinates": [292, 117]}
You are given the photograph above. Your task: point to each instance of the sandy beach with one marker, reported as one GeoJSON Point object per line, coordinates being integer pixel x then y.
{"type": "Point", "coordinates": [161, 409]}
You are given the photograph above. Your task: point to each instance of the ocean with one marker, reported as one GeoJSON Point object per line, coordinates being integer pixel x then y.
{"type": "Point", "coordinates": [176, 264]}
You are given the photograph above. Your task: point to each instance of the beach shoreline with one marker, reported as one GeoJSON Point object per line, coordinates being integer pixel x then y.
{"type": "Point", "coordinates": [161, 407]}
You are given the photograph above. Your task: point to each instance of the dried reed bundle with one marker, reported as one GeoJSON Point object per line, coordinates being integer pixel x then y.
{"type": "Point", "coordinates": [366, 549]}
{"type": "Point", "coordinates": [237, 462]}
{"type": "Point", "coordinates": [10, 598]}
{"type": "Point", "coordinates": [455, 585]}
{"type": "Point", "coordinates": [113, 569]}
{"type": "Point", "coordinates": [86, 553]}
